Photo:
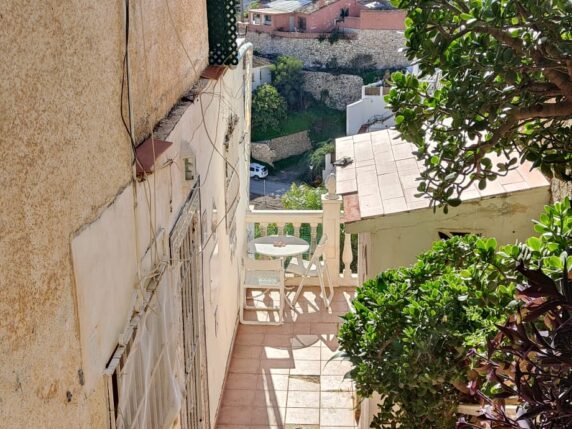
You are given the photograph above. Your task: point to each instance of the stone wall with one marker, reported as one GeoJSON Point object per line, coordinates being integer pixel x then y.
{"type": "Point", "coordinates": [336, 91]}
{"type": "Point", "coordinates": [269, 151]}
{"type": "Point", "coordinates": [383, 45]}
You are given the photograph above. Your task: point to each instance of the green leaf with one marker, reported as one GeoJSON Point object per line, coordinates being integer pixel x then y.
{"type": "Point", "coordinates": [534, 243]}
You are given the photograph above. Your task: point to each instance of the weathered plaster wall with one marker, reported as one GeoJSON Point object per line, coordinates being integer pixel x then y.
{"type": "Point", "coordinates": [397, 239]}
{"type": "Point", "coordinates": [269, 151]}
{"type": "Point", "coordinates": [384, 45]}
{"type": "Point", "coordinates": [336, 91]}
{"type": "Point", "coordinates": [65, 157]}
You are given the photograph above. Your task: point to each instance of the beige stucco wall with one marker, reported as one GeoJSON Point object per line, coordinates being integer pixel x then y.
{"type": "Point", "coordinates": [65, 158]}
{"type": "Point", "coordinates": [396, 240]}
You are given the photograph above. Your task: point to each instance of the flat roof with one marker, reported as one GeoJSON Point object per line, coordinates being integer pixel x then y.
{"type": "Point", "coordinates": [382, 179]}
{"type": "Point", "coordinates": [268, 11]}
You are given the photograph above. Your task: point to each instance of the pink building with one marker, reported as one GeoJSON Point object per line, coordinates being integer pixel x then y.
{"type": "Point", "coordinates": [323, 16]}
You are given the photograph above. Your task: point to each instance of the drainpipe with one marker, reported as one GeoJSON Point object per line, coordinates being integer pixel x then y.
{"type": "Point", "coordinates": [244, 48]}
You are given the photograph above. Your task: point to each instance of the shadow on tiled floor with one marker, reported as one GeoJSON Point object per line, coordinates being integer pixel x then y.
{"type": "Point", "coordinates": [280, 376]}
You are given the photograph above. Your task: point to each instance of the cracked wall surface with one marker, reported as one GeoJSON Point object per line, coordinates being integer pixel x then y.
{"type": "Point", "coordinates": [65, 156]}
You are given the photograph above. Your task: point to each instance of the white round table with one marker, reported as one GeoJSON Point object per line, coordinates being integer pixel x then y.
{"type": "Point", "coordinates": [279, 246]}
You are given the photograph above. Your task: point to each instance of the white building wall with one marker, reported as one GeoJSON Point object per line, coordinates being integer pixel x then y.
{"type": "Point", "coordinates": [364, 110]}
{"type": "Point", "coordinates": [117, 249]}
{"type": "Point", "coordinates": [261, 75]}
{"type": "Point", "coordinates": [397, 239]}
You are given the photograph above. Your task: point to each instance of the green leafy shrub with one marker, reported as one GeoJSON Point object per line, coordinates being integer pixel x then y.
{"type": "Point", "coordinates": [412, 327]}
{"type": "Point", "coordinates": [303, 197]}
{"type": "Point", "coordinates": [288, 79]}
{"type": "Point", "coordinates": [531, 356]}
{"type": "Point", "coordinates": [268, 109]}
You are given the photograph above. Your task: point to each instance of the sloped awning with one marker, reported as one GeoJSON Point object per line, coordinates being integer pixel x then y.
{"type": "Point", "coordinates": [382, 179]}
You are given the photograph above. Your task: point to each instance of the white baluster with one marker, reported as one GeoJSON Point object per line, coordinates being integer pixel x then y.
{"type": "Point", "coordinates": [347, 256]}
{"type": "Point", "coordinates": [296, 226]}
{"type": "Point", "coordinates": [280, 228]}
{"type": "Point", "coordinates": [313, 235]}
{"type": "Point", "coordinates": [263, 229]}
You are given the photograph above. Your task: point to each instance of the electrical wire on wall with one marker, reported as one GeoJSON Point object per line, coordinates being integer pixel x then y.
{"type": "Point", "coordinates": [222, 101]}
{"type": "Point", "coordinates": [203, 122]}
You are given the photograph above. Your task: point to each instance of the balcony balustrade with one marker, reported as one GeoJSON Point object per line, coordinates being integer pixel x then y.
{"type": "Point", "coordinates": [310, 225]}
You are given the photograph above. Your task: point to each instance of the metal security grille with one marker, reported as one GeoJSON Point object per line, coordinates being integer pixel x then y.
{"type": "Point", "coordinates": [223, 31]}
{"type": "Point", "coordinates": [140, 369]}
{"type": "Point", "coordinates": [185, 248]}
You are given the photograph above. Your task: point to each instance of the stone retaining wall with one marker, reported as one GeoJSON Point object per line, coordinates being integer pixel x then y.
{"type": "Point", "coordinates": [270, 151]}
{"type": "Point", "coordinates": [336, 91]}
{"type": "Point", "coordinates": [383, 45]}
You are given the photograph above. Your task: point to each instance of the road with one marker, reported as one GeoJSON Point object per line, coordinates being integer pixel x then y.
{"type": "Point", "coordinates": [268, 187]}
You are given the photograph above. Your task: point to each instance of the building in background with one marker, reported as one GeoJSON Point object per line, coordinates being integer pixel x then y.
{"type": "Point", "coordinates": [125, 181]}
{"type": "Point", "coordinates": [261, 72]}
{"type": "Point", "coordinates": [324, 16]}
{"type": "Point", "coordinates": [370, 112]}
{"type": "Point", "coordinates": [379, 188]}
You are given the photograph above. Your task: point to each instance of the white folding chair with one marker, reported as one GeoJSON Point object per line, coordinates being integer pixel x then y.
{"type": "Point", "coordinates": [315, 267]}
{"type": "Point", "coordinates": [263, 275]}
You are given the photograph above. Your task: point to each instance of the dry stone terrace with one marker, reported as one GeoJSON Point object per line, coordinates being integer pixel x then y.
{"type": "Point", "coordinates": [282, 376]}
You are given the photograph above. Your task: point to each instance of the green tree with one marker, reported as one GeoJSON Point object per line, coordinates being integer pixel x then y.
{"type": "Point", "coordinates": [288, 79]}
{"type": "Point", "coordinates": [303, 197]}
{"type": "Point", "coordinates": [268, 109]}
{"type": "Point", "coordinates": [505, 86]}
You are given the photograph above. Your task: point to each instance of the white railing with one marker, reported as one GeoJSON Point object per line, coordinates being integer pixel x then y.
{"type": "Point", "coordinates": [310, 225]}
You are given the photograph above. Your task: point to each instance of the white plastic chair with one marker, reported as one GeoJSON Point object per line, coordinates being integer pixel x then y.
{"type": "Point", "coordinates": [315, 267]}
{"type": "Point", "coordinates": [263, 275]}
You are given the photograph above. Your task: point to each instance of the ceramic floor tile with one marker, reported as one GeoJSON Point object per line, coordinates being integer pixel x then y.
{"type": "Point", "coordinates": [306, 367]}
{"type": "Point", "coordinates": [270, 398]}
{"type": "Point", "coordinates": [236, 398]}
{"type": "Point", "coordinates": [306, 353]}
{"type": "Point", "coordinates": [249, 339]}
{"type": "Point", "coordinates": [280, 377]}
{"type": "Point", "coordinates": [310, 416]}
{"type": "Point", "coordinates": [298, 399]}
{"type": "Point", "coordinates": [244, 365]}
{"type": "Point", "coordinates": [336, 367]}
{"type": "Point", "coordinates": [337, 417]}
{"type": "Point", "coordinates": [335, 383]}
{"type": "Point", "coordinates": [249, 352]}
{"type": "Point", "coordinates": [268, 416]}
{"type": "Point", "coordinates": [336, 400]}
{"type": "Point", "coordinates": [234, 415]}
{"type": "Point", "coordinates": [304, 383]}
{"type": "Point", "coordinates": [268, 381]}
{"type": "Point", "coordinates": [241, 381]}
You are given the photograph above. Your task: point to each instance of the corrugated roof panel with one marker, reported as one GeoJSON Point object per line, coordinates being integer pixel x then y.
{"type": "Point", "coordinates": [289, 5]}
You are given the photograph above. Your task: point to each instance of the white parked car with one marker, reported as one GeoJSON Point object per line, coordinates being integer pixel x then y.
{"type": "Point", "coordinates": [258, 171]}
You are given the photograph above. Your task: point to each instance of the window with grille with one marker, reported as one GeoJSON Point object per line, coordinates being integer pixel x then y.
{"type": "Point", "coordinates": [148, 387]}
{"type": "Point", "coordinates": [142, 370]}
{"type": "Point", "coordinates": [185, 244]}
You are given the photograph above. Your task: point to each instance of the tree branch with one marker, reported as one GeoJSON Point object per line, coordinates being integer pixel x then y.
{"type": "Point", "coordinates": [548, 110]}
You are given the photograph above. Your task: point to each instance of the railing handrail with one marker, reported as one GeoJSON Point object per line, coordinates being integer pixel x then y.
{"type": "Point", "coordinates": [284, 216]}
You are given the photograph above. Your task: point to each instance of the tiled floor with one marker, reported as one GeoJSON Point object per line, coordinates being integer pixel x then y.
{"type": "Point", "coordinates": [281, 376]}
